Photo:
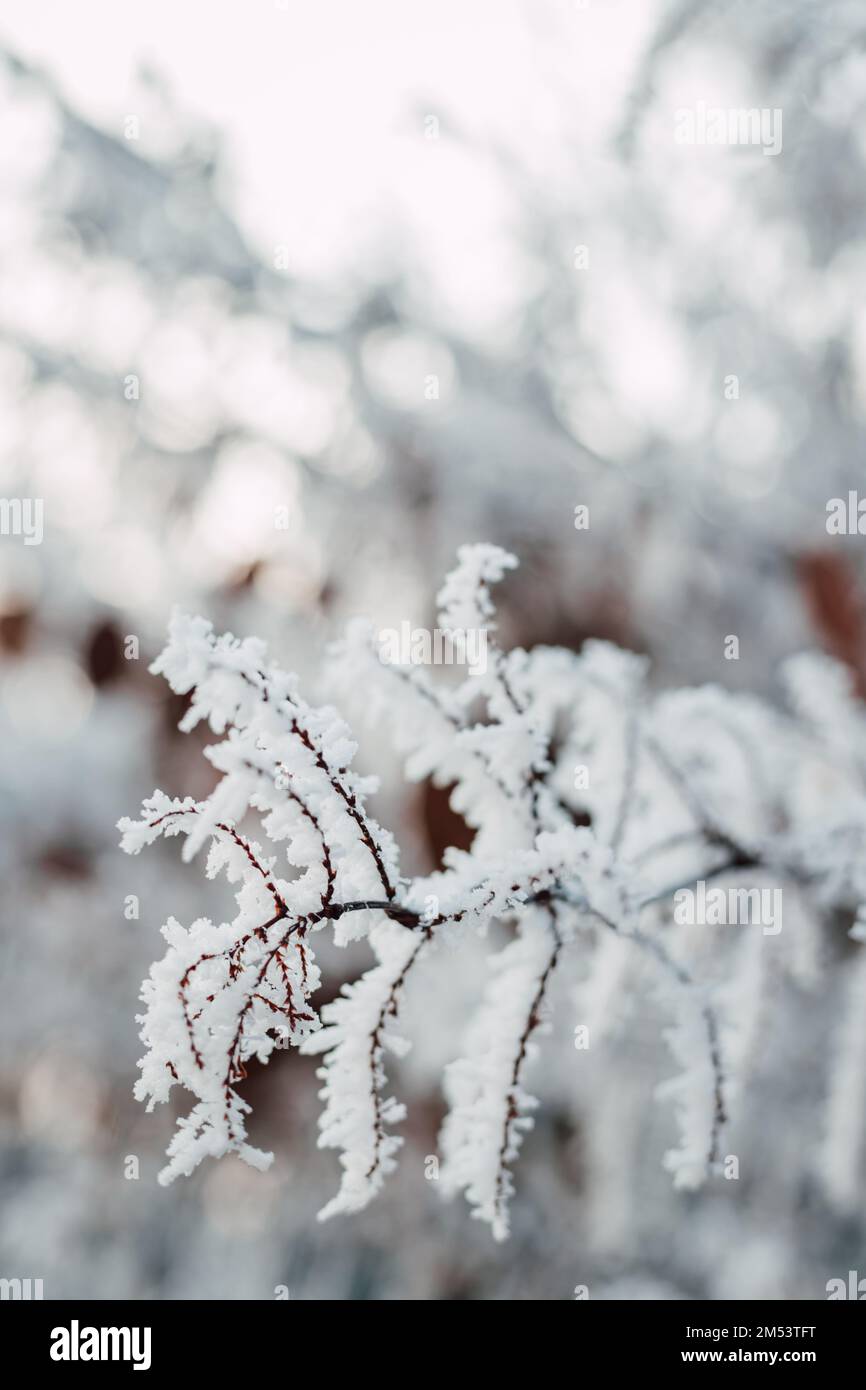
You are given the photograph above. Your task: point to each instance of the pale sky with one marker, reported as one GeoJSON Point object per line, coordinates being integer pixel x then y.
{"type": "Point", "coordinates": [324, 104]}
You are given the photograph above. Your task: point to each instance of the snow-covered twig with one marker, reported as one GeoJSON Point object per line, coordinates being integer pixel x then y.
{"type": "Point", "coordinates": [671, 798]}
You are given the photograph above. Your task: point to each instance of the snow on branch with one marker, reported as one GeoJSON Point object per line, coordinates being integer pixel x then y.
{"type": "Point", "coordinates": [490, 1108]}
{"type": "Point", "coordinates": [598, 808]}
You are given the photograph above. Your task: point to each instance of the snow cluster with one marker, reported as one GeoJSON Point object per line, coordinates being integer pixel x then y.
{"type": "Point", "coordinates": [592, 801]}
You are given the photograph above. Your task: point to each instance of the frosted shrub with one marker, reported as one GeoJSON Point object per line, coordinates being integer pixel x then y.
{"type": "Point", "coordinates": [594, 802]}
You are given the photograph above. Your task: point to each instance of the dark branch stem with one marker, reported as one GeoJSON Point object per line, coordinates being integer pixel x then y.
{"type": "Point", "coordinates": [738, 861]}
